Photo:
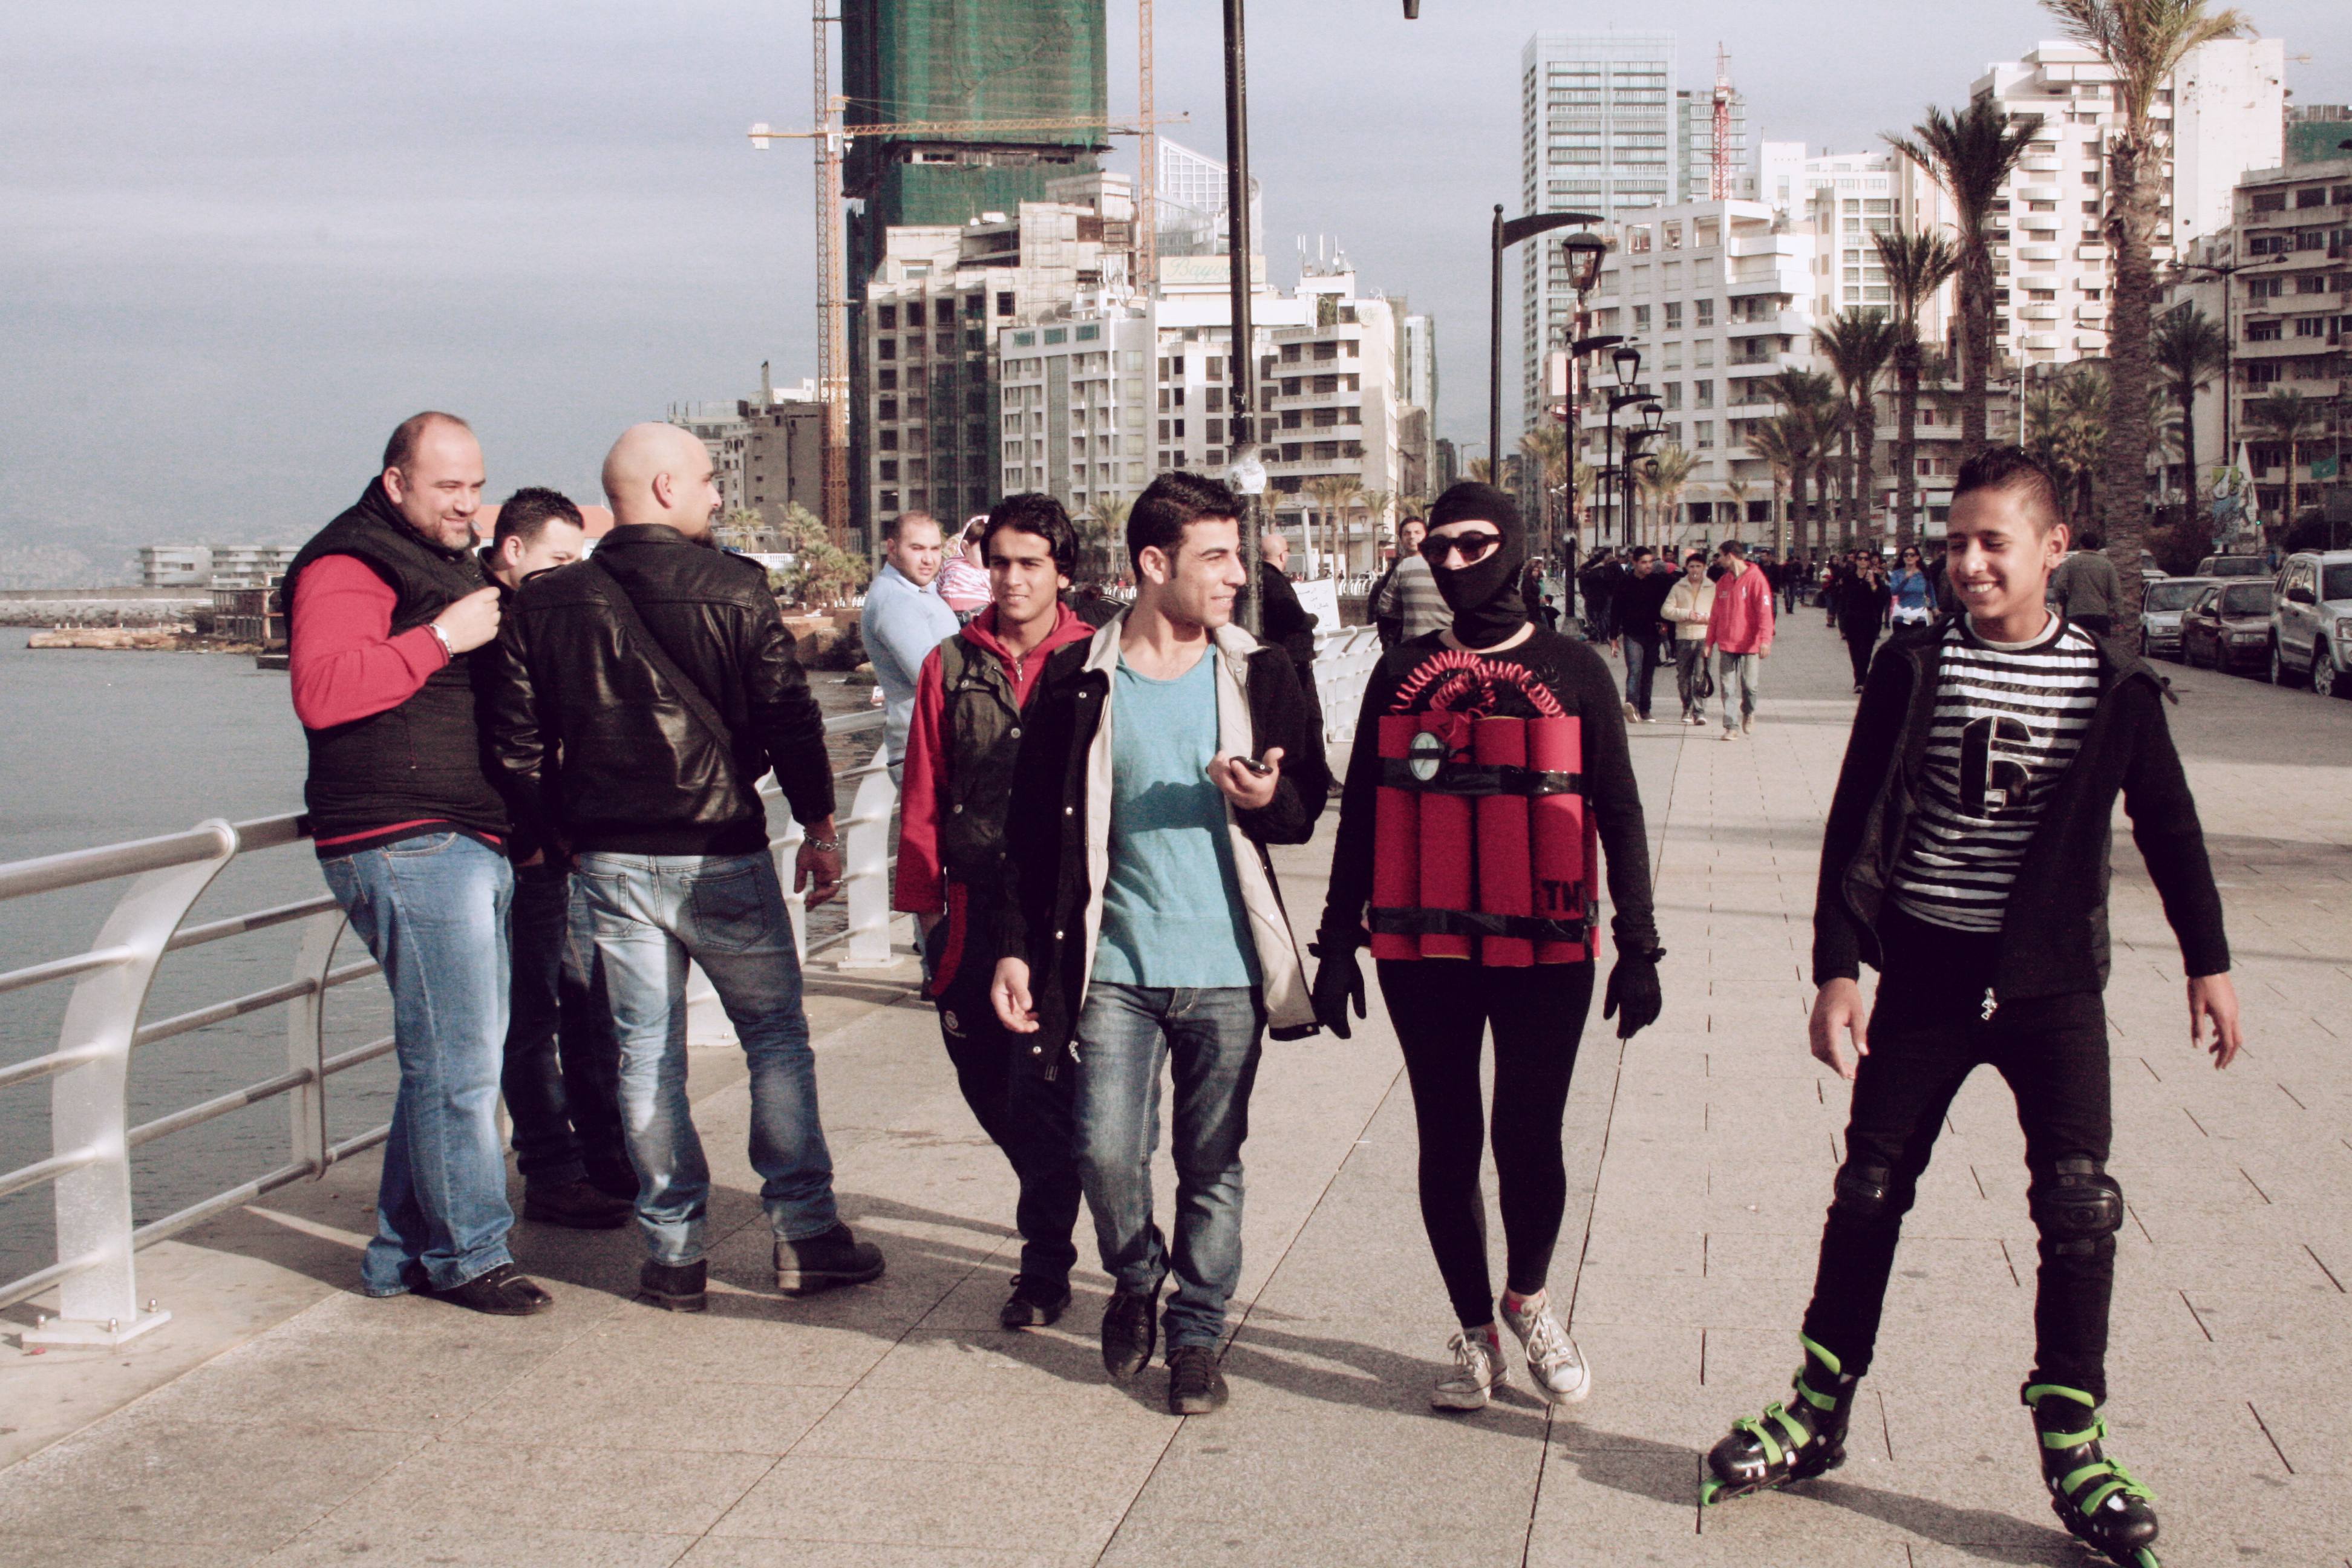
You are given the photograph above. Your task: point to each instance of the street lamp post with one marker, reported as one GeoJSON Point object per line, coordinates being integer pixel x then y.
{"type": "Point", "coordinates": [1243, 415]}
{"type": "Point", "coordinates": [1627, 363]}
{"type": "Point", "coordinates": [1506, 235]}
{"type": "Point", "coordinates": [2227, 271]}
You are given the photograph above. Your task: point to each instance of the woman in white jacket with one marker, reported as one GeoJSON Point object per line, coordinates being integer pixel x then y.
{"type": "Point", "coordinates": [1687, 605]}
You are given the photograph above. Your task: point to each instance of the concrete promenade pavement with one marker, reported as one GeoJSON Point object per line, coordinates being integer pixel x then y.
{"type": "Point", "coordinates": [896, 1425]}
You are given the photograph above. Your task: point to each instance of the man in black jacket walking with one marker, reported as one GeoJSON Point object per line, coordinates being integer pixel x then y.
{"type": "Point", "coordinates": [636, 699]}
{"type": "Point", "coordinates": [1141, 922]}
{"type": "Point", "coordinates": [1987, 755]}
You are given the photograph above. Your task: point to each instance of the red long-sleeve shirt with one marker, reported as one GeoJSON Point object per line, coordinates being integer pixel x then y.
{"type": "Point", "coordinates": [345, 663]}
{"type": "Point", "coordinates": [921, 885]}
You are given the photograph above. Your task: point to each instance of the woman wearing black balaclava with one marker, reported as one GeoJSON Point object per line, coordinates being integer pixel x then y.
{"type": "Point", "coordinates": [1529, 979]}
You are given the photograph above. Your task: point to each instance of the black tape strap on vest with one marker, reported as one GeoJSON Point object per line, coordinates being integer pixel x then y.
{"type": "Point", "coordinates": [1470, 922]}
{"type": "Point", "coordinates": [1478, 779]}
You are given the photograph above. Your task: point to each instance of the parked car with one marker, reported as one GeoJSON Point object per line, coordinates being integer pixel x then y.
{"type": "Point", "coordinates": [2233, 566]}
{"type": "Point", "coordinates": [2160, 613]}
{"type": "Point", "coordinates": [2311, 625]}
{"type": "Point", "coordinates": [2228, 627]}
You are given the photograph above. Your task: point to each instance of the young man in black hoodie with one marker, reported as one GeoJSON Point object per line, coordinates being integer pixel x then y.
{"type": "Point", "coordinates": [1987, 754]}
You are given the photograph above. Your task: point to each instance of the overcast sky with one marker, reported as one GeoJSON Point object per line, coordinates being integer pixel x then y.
{"type": "Point", "coordinates": [238, 242]}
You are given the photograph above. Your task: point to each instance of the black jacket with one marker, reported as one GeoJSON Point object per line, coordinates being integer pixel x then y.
{"type": "Point", "coordinates": [595, 749]}
{"type": "Point", "coordinates": [1049, 897]}
{"type": "Point", "coordinates": [2053, 936]}
{"type": "Point", "coordinates": [422, 761]}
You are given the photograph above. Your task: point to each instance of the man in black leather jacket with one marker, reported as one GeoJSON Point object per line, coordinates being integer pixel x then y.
{"type": "Point", "coordinates": [634, 701]}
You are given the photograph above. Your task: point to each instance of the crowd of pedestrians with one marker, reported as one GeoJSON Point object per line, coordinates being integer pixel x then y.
{"type": "Point", "coordinates": [533, 788]}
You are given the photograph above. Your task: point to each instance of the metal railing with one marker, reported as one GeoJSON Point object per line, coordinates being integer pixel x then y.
{"type": "Point", "coordinates": [105, 1024]}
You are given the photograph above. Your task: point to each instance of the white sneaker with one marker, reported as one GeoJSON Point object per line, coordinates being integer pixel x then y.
{"type": "Point", "coordinates": [1731, 734]}
{"type": "Point", "coordinates": [1470, 1382]}
{"type": "Point", "coordinates": [1748, 723]}
{"type": "Point", "coordinates": [1696, 717]}
{"type": "Point", "coordinates": [1554, 1366]}
{"type": "Point", "coordinates": [1633, 713]}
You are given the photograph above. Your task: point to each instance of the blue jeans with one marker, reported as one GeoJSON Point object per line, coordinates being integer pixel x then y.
{"type": "Point", "coordinates": [1641, 669]}
{"type": "Point", "coordinates": [1210, 1039]}
{"type": "Point", "coordinates": [433, 910]}
{"type": "Point", "coordinates": [650, 914]}
{"type": "Point", "coordinates": [1736, 676]}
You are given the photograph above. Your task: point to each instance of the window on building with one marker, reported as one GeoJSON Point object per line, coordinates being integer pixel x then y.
{"type": "Point", "coordinates": [1674, 398]}
{"type": "Point", "coordinates": [887, 348]}
{"type": "Point", "coordinates": [2262, 332]}
{"type": "Point", "coordinates": [885, 318]}
{"type": "Point", "coordinates": [889, 470]}
{"type": "Point", "coordinates": [2267, 202]}
{"type": "Point", "coordinates": [914, 312]}
{"type": "Point", "coordinates": [1004, 301]}
{"type": "Point", "coordinates": [1703, 394]}
{"type": "Point", "coordinates": [1704, 309]}
{"type": "Point", "coordinates": [889, 410]}
{"type": "Point", "coordinates": [2092, 209]}
{"type": "Point", "coordinates": [1704, 432]}
{"type": "Point", "coordinates": [1674, 308]}
{"type": "Point", "coordinates": [1641, 318]}
{"type": "Point", "coordinates": [2311, 327]}
{"type": "Point", "coordinates": [889, 440]}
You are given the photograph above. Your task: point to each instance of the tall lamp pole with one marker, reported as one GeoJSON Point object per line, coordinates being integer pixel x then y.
{"type": "Point", "coordinates": [1504, 236]}
{"type": "Point", "coordinates": [1627, 363]}
{"type": "Point", "coordinates": [1243, 415]}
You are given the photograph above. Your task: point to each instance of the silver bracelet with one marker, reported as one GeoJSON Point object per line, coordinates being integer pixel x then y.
{"type": "Point", "coordinates": [442, 637]}
{"type": "Point", "coordinates": [822, 846]}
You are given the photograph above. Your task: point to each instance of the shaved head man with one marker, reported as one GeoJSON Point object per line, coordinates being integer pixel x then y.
{"type": "Point", "coordinates": [662, 474]}
{"type": "Point", "coordinates": [635, 702]}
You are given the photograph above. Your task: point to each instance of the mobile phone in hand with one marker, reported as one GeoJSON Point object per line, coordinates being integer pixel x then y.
{"type": "Point", "coordinates": [1254, 766]}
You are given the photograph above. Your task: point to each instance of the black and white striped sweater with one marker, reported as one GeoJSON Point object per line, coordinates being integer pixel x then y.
{"type": "Point", "coordinates": [2008, 721]}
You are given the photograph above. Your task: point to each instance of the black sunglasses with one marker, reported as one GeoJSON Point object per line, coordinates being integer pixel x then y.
{"type": "Point", "coordinates": [1475, 547]}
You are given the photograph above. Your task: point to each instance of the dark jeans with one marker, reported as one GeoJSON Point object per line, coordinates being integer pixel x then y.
{"type": "Point", "coordinates": [1209, 1038]}
{"type": "Point", "coordinates": [1690, 664]}
{"type": "Point", "coordinates": [1026, 1115]}
{"type": "Point", "coordinates": [1859, 643]}
{"type": "Point", "coordinates": [562, 1066]}
{"type": "Point", "coordinates": [1927, 1033]}
{"type": "Point", "coordinates": [1641, 669]}
{"type": "Point", "coordinates": [1441, 1011]}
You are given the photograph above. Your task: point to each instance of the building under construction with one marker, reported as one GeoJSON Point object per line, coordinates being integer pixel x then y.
{"type": "Point", "coordinates": [935, 61]}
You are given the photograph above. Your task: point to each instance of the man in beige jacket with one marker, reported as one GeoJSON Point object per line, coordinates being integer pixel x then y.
{"type": "Point", "coordinates": [1688, 604]}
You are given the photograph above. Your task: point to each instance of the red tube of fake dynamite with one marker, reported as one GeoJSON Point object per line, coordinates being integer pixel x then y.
{"type": "Point", "coordinates": [1447, 856]}
{"type": "Point", "coordinates": [1505, 868]}
{"type": "Point", "coordinates": [1562, 839]}
{"type": "Point", "coordinates": [1396, 840]}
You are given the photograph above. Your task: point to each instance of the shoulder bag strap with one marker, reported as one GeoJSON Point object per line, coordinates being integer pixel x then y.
{"type": "Point", "coordinates": [615, 599]}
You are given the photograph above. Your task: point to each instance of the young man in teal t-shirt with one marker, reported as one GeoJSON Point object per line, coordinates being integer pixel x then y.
{"type": "Point", "coordinates": [1141, 923]}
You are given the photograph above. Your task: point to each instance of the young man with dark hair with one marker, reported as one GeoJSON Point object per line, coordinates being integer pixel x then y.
{"type": "Point", "coordinates": [1640, 604]}
{"type": "Point", "coordinates": [1141, 922]}
{"type": "Point", "coordinates": [969, 702]}
{"type": "Point", "coordinates": [562, 1073]}
{"type": "Point", "coordinates": [1965, 858]}
{"type": "Point", "coordinates": [1739, 634]}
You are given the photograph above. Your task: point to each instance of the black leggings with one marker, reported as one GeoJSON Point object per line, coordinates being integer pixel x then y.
{"type": "Point", "coordinates": [1927, 1033]}
{"type": "Point", "coordinates": [1441, 1009]}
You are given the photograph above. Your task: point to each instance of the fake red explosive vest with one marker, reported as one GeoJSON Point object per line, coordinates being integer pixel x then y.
{"type": "Point", "coordinates": [1483, 848]}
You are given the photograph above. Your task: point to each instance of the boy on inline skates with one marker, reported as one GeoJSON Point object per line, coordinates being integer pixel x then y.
{"type": "Point", "coordinates": [1987, 753]}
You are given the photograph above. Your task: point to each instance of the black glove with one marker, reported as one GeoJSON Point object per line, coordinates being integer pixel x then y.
{"type": "Point", "coordinates": [1633, 992]}
{"type": "Point", "coordinates": [1338, 980]}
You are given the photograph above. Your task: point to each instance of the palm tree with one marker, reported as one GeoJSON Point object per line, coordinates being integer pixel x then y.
{"type": "Point", "coordinates": [2143, 42]}
{"type": "Point", "coordinates": [2066, 429]}
{"type": "Point", "coordinates": [1739, 487]}
{"type": "Point", "coordinates": [2285, 417]}
{"type": "Point", "coordinates": [1971, 153]}
{"type": "Point", "coordinates": [1331, 494]}
{"type": "Point", "coordinates": [1858, 344]}
{"type": "Point", "coordinates": [1916, 265]}
{"type": "Point", "coordinates": [1481, 470]}
{"type": "Point", "coordinates": [1546, 447]}
{"type": "Point", "coordinates": [1376, 504]}
{"type": "Point", "coordinates": [1662, 478]}
{"type": "Point", "coordinates": [1111, 528]}
{"type": "Point", "coordinates": [1812, 425]}
{"type": "Point", "coordinates": [2189, 346]}
{"type": "Point", "coordinates": [1778, 440]}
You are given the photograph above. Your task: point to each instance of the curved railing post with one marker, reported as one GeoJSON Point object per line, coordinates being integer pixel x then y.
{"type": "Point", "coordinates": [866, 871]}
{"type": "Point", "coordinates": [305, 1042]}
{"type": "Point", "coordinates": [98, 1304]}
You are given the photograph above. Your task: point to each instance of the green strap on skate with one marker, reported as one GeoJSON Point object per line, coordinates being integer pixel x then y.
{"type": "Point", "coordinates": [2102, 1476]}
{"type": "Point", "coordinates": [1837, 1367]}
{"type": "Point", "coordinates": [1806, 1391]}
{"type": "Point", "coordinates": [1798, 1433]}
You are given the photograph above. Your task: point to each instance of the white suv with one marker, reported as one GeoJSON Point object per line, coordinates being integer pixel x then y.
{"type": "Point", "coordinates": [2310, 622]}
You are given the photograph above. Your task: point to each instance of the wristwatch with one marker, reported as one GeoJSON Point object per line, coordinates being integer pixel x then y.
{"type": "Point", "coordinates": [442, 637]}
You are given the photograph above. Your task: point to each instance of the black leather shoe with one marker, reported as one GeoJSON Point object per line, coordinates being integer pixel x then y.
{"type": "Point", "coordinates": [1035, 1306]}
{"type": "Point", "coordinates": [825, 1262]}
{"type": "Point", "coordinates": [1130, 1328]}
{"type": "Point", "coordinates": [576, 1205]}
{"type": "Point", "coordinates": [1195, 1386]}
{"type": "Point", "coordinates": [675, 1287]}
{"type": "Point", "coordinates": [504, 1292]}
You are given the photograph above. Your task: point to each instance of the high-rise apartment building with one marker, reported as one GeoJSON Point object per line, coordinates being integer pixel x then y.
{"type": "Point", "coordinates": [970, 62]}
{"type": "Point", "coordinates": [931, 316]}
{"type": "Point", "coordinates": [1600, 133]}
{"type": "Point", "coordinates": [1695, 108]}
{"type": "Point", "coordinates": [2224, 111]}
